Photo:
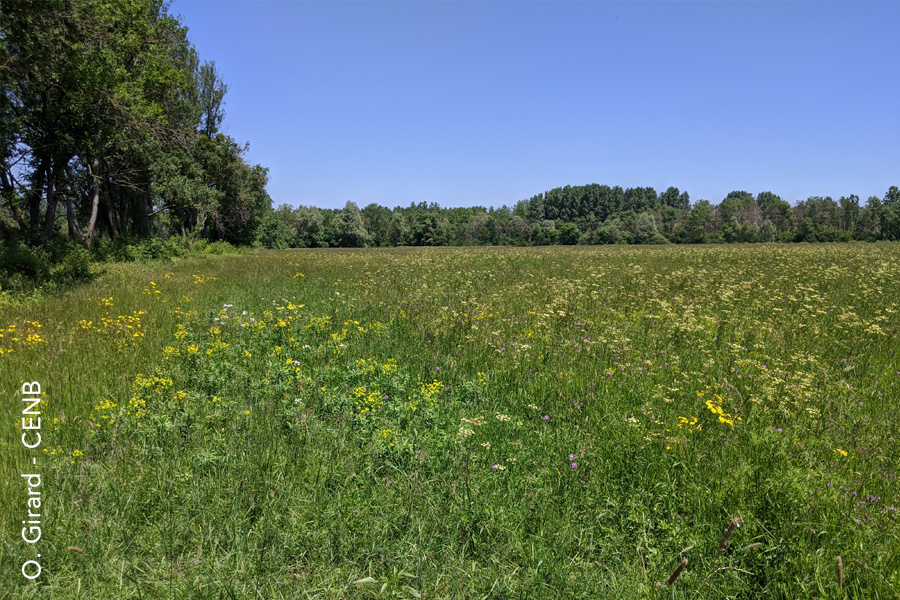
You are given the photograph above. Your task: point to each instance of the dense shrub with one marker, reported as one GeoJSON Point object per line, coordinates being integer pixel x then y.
{"type": "Point", "coordinates": [22, 268]}
{"type": "Point", "coordinates": [75, 266]}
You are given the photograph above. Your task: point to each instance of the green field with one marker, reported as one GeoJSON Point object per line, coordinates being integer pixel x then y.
{"type": "Point", "coordinates": [463, 423]}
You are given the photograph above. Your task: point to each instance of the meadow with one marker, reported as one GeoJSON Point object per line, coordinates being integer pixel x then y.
{"type": "Point", "coordinates": [556, 422]}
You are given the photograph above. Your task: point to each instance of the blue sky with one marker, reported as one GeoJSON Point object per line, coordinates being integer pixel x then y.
{"type": "Point", "coordinates": [487, 103]}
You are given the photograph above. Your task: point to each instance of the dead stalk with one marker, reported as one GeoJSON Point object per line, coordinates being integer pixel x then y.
{"type": "Point", "coordinates": [677, 572]}
{"type": "Point", "coordinates": [731, 528]}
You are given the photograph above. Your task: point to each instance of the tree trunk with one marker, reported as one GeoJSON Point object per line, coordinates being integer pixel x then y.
{"type": "Point", "coordinates": [75, 232]}
{"type": "Point", "coordinates": [52, 199]}
{"type": "Point", "coordinates": [123, 222]}
{"type": "Point", "coordinates": [145, 211]}
{"type": "Point", "coordinates": [9, 191]}
{"type": "Point", "coordinates": [111, 217]}
{"type": "Point", "coordinates": [95, 202]}
{"type": "Point", "coordinates": [34, 198]}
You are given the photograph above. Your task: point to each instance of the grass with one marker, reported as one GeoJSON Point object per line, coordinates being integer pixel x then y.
{"type": "Point", "coordinates": [464, 423]}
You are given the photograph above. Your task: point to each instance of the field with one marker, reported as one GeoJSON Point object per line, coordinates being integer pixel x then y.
{"type": "Point", "coordinates": [463, 423]}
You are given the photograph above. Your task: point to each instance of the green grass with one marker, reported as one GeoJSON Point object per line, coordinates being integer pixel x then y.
{"type": "Point", "coordinates": [403, 423]}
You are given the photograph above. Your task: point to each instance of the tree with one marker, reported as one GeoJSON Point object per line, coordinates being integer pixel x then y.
{"type": "Point", "coordinates": [849, 212]}
{"type": "Point", "coordinates": [102, 104]}
{"type": "Point", "coordinates": [211, 90]}
{"type": "Point", "coordinates": [376, 220]}
{"type": "Point", "coordinates": [674, 198]}
{"type": "Point", "coordinates": [741, 206]}
{"type": "Point", "coordinates": [569, 234]}
{"type": "Point", "coordinates": [350, 230]}
{"type": "Point", "coordinates": [398, 230]}
{"type": "Point", "coordinates": [311, 231]}
{"type": "Point", "coordinates": [698, 222]}
{"type": "Point", "coordinates": [775, 210]}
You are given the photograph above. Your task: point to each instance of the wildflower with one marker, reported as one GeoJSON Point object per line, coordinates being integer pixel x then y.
{"type": "Point", "coordinates": [546, 417]}
{"type": "Point", "coordinates": [574, 465]}
{"type": "Point", "coordinates": [571, 457]}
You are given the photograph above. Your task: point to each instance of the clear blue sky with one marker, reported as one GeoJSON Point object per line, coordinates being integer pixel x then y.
{"type": "Point", "coordinates": [486, 103]}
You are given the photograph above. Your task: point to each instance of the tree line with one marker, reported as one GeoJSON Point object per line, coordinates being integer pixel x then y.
{"type": "Point", "coordinates": [592, 214]}
{"type": "Point", "coordinates": [110, 129]}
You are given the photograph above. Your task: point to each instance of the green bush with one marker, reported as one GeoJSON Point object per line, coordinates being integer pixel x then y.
{"type": "Point", "coordinates": [75, 266]}
{"type": "Point", "coordinates": [19, 259]}
{"type": "Point", "coordinates": [132, 249]}
{"type": "Point", "coordinates": [223, 248]}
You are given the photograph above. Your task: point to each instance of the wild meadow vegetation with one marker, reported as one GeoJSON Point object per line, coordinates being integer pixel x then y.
{"type": "Point", "coordinates": [464, 423]}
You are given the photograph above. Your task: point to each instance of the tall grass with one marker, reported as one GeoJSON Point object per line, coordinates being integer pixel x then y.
{"type": "Point", "coordinates": [458, 423]}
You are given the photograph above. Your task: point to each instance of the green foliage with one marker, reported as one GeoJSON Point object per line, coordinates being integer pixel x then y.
{"type": "Point", "coordinates": [223, 248]}
{"type": "Point", "coordinates": [568, 234]}
{"type": "Point", "coordinates": [350, 231]}
{"type": "Point", "coordinates": [272, 232]}
{"type": "Point", "coordinates": [100, 95]}
{"type": "Point", "coordinates": [140, 249]}
{"type": "Point", "coordinates": [75, 266]}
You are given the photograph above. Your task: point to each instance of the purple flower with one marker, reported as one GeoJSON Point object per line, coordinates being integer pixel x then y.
{"type": "Point", "coordinates": [779, 430]}
{"type": "Point", "coordinates": [571, 457]}
{"type": "Point", "coordinates": [857, 521]}
{"type": "Point", "coordinates": [438, 369]}
{"type": "Point", "coordinates": [546, 417]}
{"type": "Point", "coordinates": [496, 467]}
{"type": "Point", "coordinates": [828, 484]}
{"type": "Point", "coordinates": [574, 465]}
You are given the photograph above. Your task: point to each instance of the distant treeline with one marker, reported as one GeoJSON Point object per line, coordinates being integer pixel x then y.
{"type": "Point", "coordinates": [591, 214]}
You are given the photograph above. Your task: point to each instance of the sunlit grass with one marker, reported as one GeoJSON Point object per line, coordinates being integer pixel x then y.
{"type": "Point", "coordinates": [508, 423]}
